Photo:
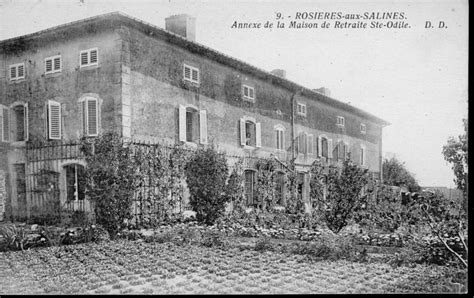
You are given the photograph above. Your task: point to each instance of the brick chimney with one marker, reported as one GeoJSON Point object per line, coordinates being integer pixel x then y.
{"type": "Point", "coordinates": [182, 24]}
{"type": "Point", "coordinates": [279, 72]}
{"type": "Point", "coordinates": [323, 90]}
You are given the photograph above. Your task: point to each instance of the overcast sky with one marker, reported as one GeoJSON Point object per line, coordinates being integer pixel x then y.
{"type": "Point", "coordinates": [414, 78]}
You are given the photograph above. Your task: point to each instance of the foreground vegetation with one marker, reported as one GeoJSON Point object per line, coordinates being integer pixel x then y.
{"type": "Point", "coordinates": [125, 266]}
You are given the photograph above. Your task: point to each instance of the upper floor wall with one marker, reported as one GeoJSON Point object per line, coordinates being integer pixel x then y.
{"type": "Point", "coordinates": [56, 76]}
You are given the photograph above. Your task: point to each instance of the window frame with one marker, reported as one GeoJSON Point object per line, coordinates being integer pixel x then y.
{"type": "Point", "coordinates": [16, 67]}
{"type": "Point", "coordinates": [249, 201]}
{"type": "Point", "coordinates": [340, 121]}
{"type": "Point", "coordinates": [4, 118]}
{"type": "Point", "coordinates": [363, 128]}
{"type": "Point", "coordinates": [48, 119]}
{"type": "Point", "coordinates": [363, 156]}
{"type": "Point", "coordinates": [76, 181]}
{"type": "Point", "coordinates": [280, 137]}
{"type": "Point", "coordinates": [11, 110]}
{"type": "Point", "coordinates": [89, 63]}
{"type": "Point", "coordinates": [248, 97]}
{"type": "Point", "coordinates": [53, 70]}
{"type": "Point", "coordinates": [302, 138]}
{"type": "Point", "coordinates": [190, 79]}
{"type": "Point", "coordinates": [83, 101]}
{"type": "Point", "coordinates": [243, 132]}
{"type": "Point", "coordinates": [299, 109]}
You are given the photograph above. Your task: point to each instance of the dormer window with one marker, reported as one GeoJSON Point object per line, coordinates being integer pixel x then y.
{"type": "Point", "coordinates": [191, 74]}
{"type": "Point", "coordinates": [248, 93]}
{"type": "Point", "coordinates": [17, 71]}
{"type": "Point", "coordinates": [301, 109]}
{"type": "Point", "coordinates": [363, 129]}
{"type": "Point", "coordinates": [340, 121]}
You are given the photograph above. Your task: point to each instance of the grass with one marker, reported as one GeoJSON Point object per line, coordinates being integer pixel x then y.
{"type": "Point", "coordinates": [147, 268]}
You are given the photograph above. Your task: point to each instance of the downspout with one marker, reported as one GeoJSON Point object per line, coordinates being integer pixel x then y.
{"type": "Point", "coordinates": [292, 101]}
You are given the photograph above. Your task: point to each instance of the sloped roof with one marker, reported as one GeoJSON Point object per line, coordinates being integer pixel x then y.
{"type": "Point", "coordinates": [119, 18]}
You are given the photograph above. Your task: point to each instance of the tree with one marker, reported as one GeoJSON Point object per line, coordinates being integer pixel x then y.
{"type": "Point", "coordinates": [345, 192]}
{"type": "Point", "coordinates": [455, 153]}
{"type": "Point", "coordinates": [206, 175]}
{"type": "Point", "coordinates": [395, 173]}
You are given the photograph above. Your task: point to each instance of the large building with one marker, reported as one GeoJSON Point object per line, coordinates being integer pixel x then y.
{"type": "Point", "coordinates": [114, 72]}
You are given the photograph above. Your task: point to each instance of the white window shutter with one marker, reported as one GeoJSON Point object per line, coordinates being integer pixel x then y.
{"type": "Point", "coordinates": [330, 148]}
{"type": "Point", "coordinates": [203, 126]}
{"type": "Point", "coordinates": [25, 111]}
{"type": "Point", "coordinates": [258, 135]}
{"type": "Point", "coordinates": [182, 123]}
{"type": "Point", "coordinates": [6, 124]}
{"type": "Point", "coordinates": [310, 144]}
{"type": "Point", "coordinates": [12, 72]}
{"type": "Point", "coordinates": [84, 117]}
{"type": "Point", "coordinates": [54, 119]}
{"type": "Point", "coordinates": [92, 117]}
{"type": "Point", "coordinates": [242, 132]}
{"type": "Point", "coordinates": [319, 146]}
{"type": "Point", "coordinates": [346, 150]}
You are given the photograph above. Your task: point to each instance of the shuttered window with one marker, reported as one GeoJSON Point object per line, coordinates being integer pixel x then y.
{"type": "Point", "coordinates": [192, 125]}
{"type": "Point", "coordinates": [52, 64]}
{"type": "Point", "coordinates": [250, 133]}
{"type": "Point", "coordinates": [54, 120]}
{"type": "Point", "coordinates": [90, 116]}
{"type": "Point", "coordinates": [17, 71]}
{"type": "Point", "coordinates": [191, 74]}
{"type": "Point", "coordinates": [301, 109]}
{"type": "Point", "coordinates": [363, 128]}
{"type": "Point", "coordinates": [280, 144]}
{"type": "Point", "coordinates": [89, 57]}
{"type": "Point", "coordinates": [310, 144]}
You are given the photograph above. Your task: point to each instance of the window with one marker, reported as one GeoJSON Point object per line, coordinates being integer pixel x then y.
{"type": "Point", "coordinates": [89, 57]}
{"type": "Point", "coordinates": [192, 125]}
{"type": "Point", "coordinates": [54, 120]}
{"type": "Point", "coordinates": [340, 121]}
{"type": "Point", "coordinates": [324, 147]}
{"type": "Point", "coordinates": [17, 71]}
{"type": "Point", "coordinates": [301, 109]}
{"type": "Point", "coordinates": [280, 187]}
{"type": "Point", "coordinates": [302, 143]}
{"type": "Point", "coordinates": [362, 155]}
{"type": "Point", "coordinates": [248, 92]}
{"type": "Point", "coordinates": [310, 144]}
{"type": "Point", "coordinates": [363, 128]}
{"type": "Point", "coordinates": [250, 132]}
{"type": "Point", "coordinates": [19, 122]}
{"type": "Point", "coordinates": [52, 64]}
{"type": "Point", "coordinates": [341, 150]}
{"type": "Point", "coordinates": [4, 124]}
{"type": "Point", "coordinates": [280, 142]}
{"type": "Point", "coordinates": [249, 186]}
{"type": "Point", "coordinates": [75, 182]}
{"type": "Point", "coordinates": [90, 116]}
{"type": "Point", "coordinates": [191, 74]}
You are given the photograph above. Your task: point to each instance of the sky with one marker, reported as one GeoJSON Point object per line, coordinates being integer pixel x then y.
{"type": "Point", "coordinates": [416, 78]}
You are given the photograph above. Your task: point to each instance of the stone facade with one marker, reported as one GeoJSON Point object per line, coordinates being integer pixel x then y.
{"type": "Point", "coordinates": [142, 92]}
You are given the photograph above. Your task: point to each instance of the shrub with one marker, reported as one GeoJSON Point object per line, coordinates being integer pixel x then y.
{"type": "Point", "coordinates": [15, 238]}
{"type": "Point", "coordinates": [344, 192]}
{"type": "Point", "coordinates": [212, 239]}
{"type": "Point", "coordinates": [206, 175]}
{"type": "Point", "coordinates": [110, 177]}
{"type": "Point", "coordinates": [264, 243]}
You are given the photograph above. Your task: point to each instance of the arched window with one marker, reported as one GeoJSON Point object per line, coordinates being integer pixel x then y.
{"type": "Point", "coordinates": [250, 132]}
{"type": "Point", "coordinates": [192, 125]}
{"type": "Point", "coordinates": [324, 147]}
{"type": "Point", "coordinates": [341, 150]}
{"type": "Point", "coordinates": [75, 182]}
{"type": "Point", "coordinates": [302, 142]}
{"type": "Point", "coordinates": [19, 122]}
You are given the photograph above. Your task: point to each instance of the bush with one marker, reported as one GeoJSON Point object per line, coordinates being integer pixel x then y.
{"type": "Point", "coordinates": [212, 239]}
{"type": "Point", "coordinates": [206, 175]}
{"type": "Point", "coordinates": [264, 243]}
{"type": "Point", "coordinates": [14, 238]}
{"type": "Point", "coordinates": [110, 177]}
